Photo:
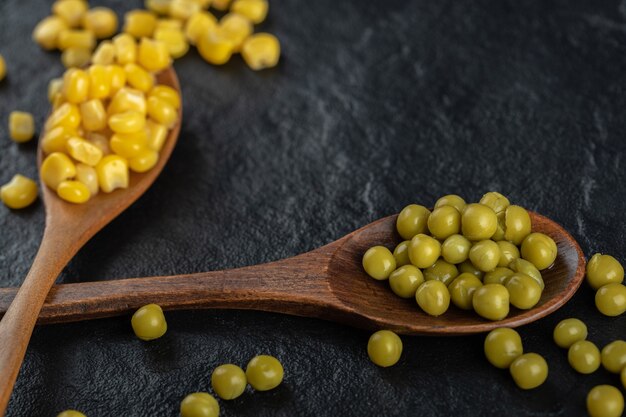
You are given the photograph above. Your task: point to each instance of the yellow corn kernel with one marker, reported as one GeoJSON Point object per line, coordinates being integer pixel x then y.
{"type": "Point", "coordinates": [102, 21]}
{"type": "Point", "coordinates": [88, 176]}
{"type": "Point", "coordinates": [138, 77]}
{"type": "Point", "coordinates": [235, 27]}
{"type": "Point", "coordinates": [169, 24]}
{"type": "Point", "coordinates": [55, 139]}
{"type": "Point", "coordinates": [174, 39]}
{"type": "Point", "coordinates": [157, 134]}
{"type": "Point", "coordinates": [129, 145]}
{"type": "Point", "coordinates": [46, 33]}
{"type": "Point", "coordinates": [117, 78]}
{"type": "Point", "coordinates": [3, 68]}
{"type": "Point", "coordinates": [74, 192]}
{"type": "Point", "coordinates": [99, 82]}
{"type": "Point", "coordinates": [93, 115]}
{"type": "Point", "coordinates": [112, 173]}
{"type": "Point", "coordinates": [221, 5]}
{"type": "Point", "coordinates": [75, 57]}
{"type": "Point", "coordinates": [139, 23]}
{"type": "Point", "coordinates": [261, 50]}
{"type": "Point", "coordinates": [104, 54]}
{"type": "Point", "coordinates": [55, 86]}
{"type": "Point", "coordinates": [76, 39]}
{"type": "Point", "coordinates": [71, 11]}
{"type": "Point", "coordinates": [127, 122]}
{"type": "Point", "coordinates": [145, 161]}
{"type": "Point", "coordinates": [166, 93]}
{"type": "Point", "coordinates": [100, 140]}
{"type": "Point", "coordinates": [183, 9]}
{"type": "Point", "coordinates": [204, 4]}
{"type": "Point", "coordinates": [162, 111]}
{"type": "Point", "coordinates": [125, 49]}
{"type": "Point", "coordinates": [66, 115]}
{"type": "Point", "coordinates": [56, 168]}
{"type": "Point", "coordinates": [58, 100]}
{"type": "Point", "coordinates": [128, 99]}
{"type": "Point", "coordinates": [75, 85]}
{"type": "Point", "coordinates": [21, 126]}
{"type": "Point", "coordinates": [18, 193]}
{"type": "Point", "coordinates": [215, 48]}
{"type": "Point", "coordinates": [83, 151]}
{"type": "Point", "coordinates": [254, 10]}
{"type": "Point", "coordinates": [161, 7]}
{"type": "Point", "coordinates": [198, 25]}
{"type": "Point", "coordinates": [153, 55]}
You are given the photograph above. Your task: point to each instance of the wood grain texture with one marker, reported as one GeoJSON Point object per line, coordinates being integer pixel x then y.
{"type": "Point", "coordinates": [68, 228]}
{"type": "Point", "coordinates": [327, 283]}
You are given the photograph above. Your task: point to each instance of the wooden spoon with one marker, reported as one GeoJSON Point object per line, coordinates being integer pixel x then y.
{"type": "Point", "coordinates": [327, 283]}
{"type": "Point", "coordinates": [68, 228]}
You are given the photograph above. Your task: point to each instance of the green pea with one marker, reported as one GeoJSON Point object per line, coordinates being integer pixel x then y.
{"type": "Point", "coordinates": [467, 266]}
{"type": "Point", "coordinates": [424, 250]}
{"type": "Point", "coordinates": [502, 347]}
{"type": "Point", "coordinates": [228, 381]}
{"type": "Point", "coordinates": [462, 290]}
{"type": "Point", "coordinates": [498, 236]}
{"type": "Point", "coordinates": [523, 266]}
{"type": "Point", "coordinates": [604, 269]}
{"type": "Point", "coordinates": [412, 220]}
{"type": "Point", "coordinates": [451, 200]}
{"type": "Point", "coordinates": [517, 224]}
{"type": "Point", "coordinates": [455, 249]}
{"type": "Point", "coordinates": [441, 271]}
{"type": "Point", "coordinates": [478, 222]}
{"type": "Point", "coordinates": [539, 249]}
{"type": "Point", "coordinates": [401, 253]}
{"type": "Point", "coordinates": [379, 262]}
{"type": "Point", "coordinates": [524, 292]}
{"type": "Point", "coordinates": [433, 297]}
{"type": "Point", "coordinates": [71, 413]}
{"type": "Point", "coordinates": [384, 348]}
{"type": "Point", "coordinates": [444, 221]}
{"type": "Point", "coordinates": [199, 404]}
{"type": "Point", "coordinates": [611, 299]}
{"type": "Point", "coordinates": [568, 332]}
{"type": "Point", "coordinates": [149, 322]}
{"type": "Point", "coordinates": [605, 401]}
{"type": "Point", "coordinates": [584, 357]}
{"type": "Point", "coordinates": [485, 255]}
{"type": "Point", "coordinates": [491, 301]}
{"type": "Point", "coordinates": [529, 370]}
{"type": "Point", "coordinates": [264, 372]}
{"type": "Point", "coordinates": [614, 356]}
{"type": "Point", "coordinates": [405, 280]}
{"type": "Point", "coordinates": [496, 201]}
{"type": "Point", "coordinates": [508, 253]}
{"type": "Point", "coordinates": [497, 276]}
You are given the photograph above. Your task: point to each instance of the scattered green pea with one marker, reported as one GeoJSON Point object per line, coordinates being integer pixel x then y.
{"type": "Point", "coordinates": [604, 269]}
{"type": "Point", "coordinates": [614, 356]}
{"type": "Point", "coordinates": [478, 222]}
{"type": "Point", "coordinates": [462, 290]}
{"type": "Point", "coordinates": [529, 370]}
{"type": "Point", "coordinates": [539, 249]}
{"type": "Point", "coordinates": [569, 331]}
{"type": "Point", "coordinates": [491, 301]}
{"type": "Point", "coordinates": [605, 401]}
{"type": "Point", "coordinates": [424, 250]}
{"type": "Point", "coordinates": [485, 255]}
{"type": "Point", "coordinates": [455, 249]}
{"type": "Point", "coordinates": [433, 297]}
{"type": "Point", "coordinates": [502, 346]}
{"type": "Point", "coordinates": [199, 404]}
{"type": "Point", "coordinates": [384, 348]}
{"type": "Point", "coordinates": [611, 299]}
{"type": "Point", "coordinates": [524, 292]}
{"type": "Point", "coordinates": [228, 381]}
{"type": "Point", "coordinates": [517, 224]}
{"type": "Point", "coordinates": [412, 220]}
{"type": "Point", "coordinates": [379, 262]}
{"type": "Point", "coordinates": [451, 200]}
{"type": "Point", "coordinates": [149, 322]}
{"type": "Point", "coordinates": [405, 280]}
{"type": "Point", "coordinates": [584, 357]}
{"type": "Point", "coordinates": [401, 253]}
{"type": "Point", "coordinates": [264, 372]}
{"type": "Point", "coordinates": [441, 271]}
{"type": "Point", "coordinates": [444, 221]}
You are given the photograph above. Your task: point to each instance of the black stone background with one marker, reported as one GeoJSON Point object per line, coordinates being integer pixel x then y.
{"type": "Point", "coordinates": [376, 104]}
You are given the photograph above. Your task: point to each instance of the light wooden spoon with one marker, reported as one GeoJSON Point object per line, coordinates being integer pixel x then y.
{"type": "Point", "coordinates": [68, 228]}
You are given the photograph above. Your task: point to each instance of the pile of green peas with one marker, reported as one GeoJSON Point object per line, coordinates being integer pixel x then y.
{"type": "Point", "coordinates": [481, 256]}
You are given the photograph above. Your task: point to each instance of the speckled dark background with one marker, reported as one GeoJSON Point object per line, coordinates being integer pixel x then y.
{"type": "Point", "coordinates": [375, 105]}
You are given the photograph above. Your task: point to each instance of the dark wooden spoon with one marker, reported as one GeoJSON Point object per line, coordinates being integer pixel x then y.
{"type": "Point", "coordinates": [68, 228]}
{"type": "Point", "coordinates": [327, 283]}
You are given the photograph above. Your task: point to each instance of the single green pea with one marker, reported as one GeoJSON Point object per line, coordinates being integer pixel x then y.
{"type": "Point", "coordinates": [539, 249]}
{"type": "Point", "coordinates": [584, 357]}
{"type": "Point", "coordinates": [529, 370]}
{"type": "Point", "coordinates": [498, 236]}
{"type": "Point", "coordinates": [568, 332]}
{"type": "Point", "coordinates": [478, 222]}
{"type": "Point", "coordinates": [379, 262]}
{"type": "Point", "coordinates": [496, 201]}
{"type": "Point", "coordinates": [604, 269]}
{"type": "Point", "coordinates": [523, 266]}
{"type": "Point", "coordinates": [444, 221]}
{"type": "Point", "coordinates": [264, 372]}
{"type": "Point", "coordinates": [71, 413]}
{"type": "Point", "coordinates": [502, 347]}
{"type": "Point", "coordinates": [491, 301]}
{"type": "Point", "coordinates": [462, 290]}
{"type": "Point", "coordinates": [485, 255]}
{"type": "Point", "coordinates": [524, 292]}
{"type": "Point", "coordinates": [384, 348]}
{"type": "Point", "coordinates": [441, 271]}
{"type": "Point", "coordinates": [433, 297]}
{"type": "Point", "coordinates": [405, 280]}
{"type": "Point", "coordinates": [497, 276]}
{"type": "Point", "coordinates": [228, 381]}
{"type": "Point", "coordinates": [605, 401]}
{"type": "Point", "coordinates": [401, 253]}
{"type": "Point", "coordinates": [455, 249]}
{"type": "Point", "coordinates": [611, 299]}
{"type": "Point", "coordinates": [149, 322]}
{"type": "Point", "coordinates": [451, 200]}
{"type": "Point", "coordinates": [468, 266]}
{"type": "Point", "coordinates": [508, 253]}
{"type": "Point", "coordinates": [424, 250]}
{"type": "Point", "coordinates": [614, 356]}
{"type": "Point", "coordinates": [412, 220]}
{"type": "Point", "coordinates": [199, 404]}
{"type": "Point", "coordinates": [517, 224]}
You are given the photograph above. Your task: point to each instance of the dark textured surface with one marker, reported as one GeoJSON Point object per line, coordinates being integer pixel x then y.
{"type": "Point", "coordinates": [375, 105]}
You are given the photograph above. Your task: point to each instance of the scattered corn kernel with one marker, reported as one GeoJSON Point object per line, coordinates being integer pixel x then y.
{"type": "Point", "coordinates": [83, 151]}
{"type": "Point", "coordinates": [74, 192]}
{"type": "Point", "coordinates": [127, 122]}
{"type": "Point", "coordinates": [200, 24]}
{"type": "Point", "coordinates": [104, 54]}
{"type": "Point", "coordinates": [169, 24]}
{"type": "Point", "coordinates": [71, 11]}
{"type": "Point", "coordinates": [3, 68]}
{"type": "Point", "coordinates": [184, 9]}
{"type": "Point", "coordinates": [144, 161]}
{"type": "Point", "coordinates": [46, 33]}
{"type": "Point", "coordinates": [261, 50]}
{"type": "Point", "coordinates": [56, 168]}
{"type": "Point", "coordinates": [99, 140]}
{"type": "Point", "coordinates": [221, 5]}
{"type": "Point", "coordinates": [174, 39]}
{"type": "Point", "coordinates": [88, 176]}
{"type": "Point", "coordinates": [236, 28]}
{"type": "Point", "coordinates": [117, 77]}
{"type": "Point", "coordinates": [125, 49]}
{"type": "Point", "coordinates": [21, 126]}
{"type": "Point", "coordinates": [66, 115]}
{"type": "Point", "coordinates": [18, 193]}
{"type": "Point", "coordinates": [157, 134]}
{"type": "Point", "coordinates": [129, 145]}
{"type": "Point", "coordinates": [76, 39]}
{"type": "Point", "coordinates": [162, 111]}
{"type": "Point", "coordinates": [128, 99]}
{"type": "Point", "coordinates": [166, 93]}
{"type": "Point", "coordinates": [158, 6]}
{"type": "Point", "coordinates": [112, 173]}
{"type": "Point", "coordinates": [102, 21]}
{"type": "Point", "coordinates": [55, 139]}
{"type": "Point", "coordinates": [55, 86]}
{"type": "Point", "coordinates": [99, 82]}
{"type": "Point", "coordinates": [154, 55]}
{"type": "Point", "coordinates": [93, 115]}
{"type": "Point", "coordinates": [75, 85]}
{"type": "Point", "coordinates": [255, 10]}
{"type": "Point", "coordinates": [75, 57]}
{"type": "Point", "coordinates": [138, 77]}
{"type": "Point", "coordinates": [215, 49]}
{"type": "Point", "coordinates": [139, 23]}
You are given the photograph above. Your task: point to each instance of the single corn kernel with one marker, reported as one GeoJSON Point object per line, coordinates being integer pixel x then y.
{"type": "Point", "coordinates": [18, 193]}
{"type": "Point", "coordinates": [129, 145]}
{"type": "Point", "coordinates": [46, 33]}
{"type": "Point", "coordinates": [162, 111]}
{"type": "Point", "coordinates": [76, 39]}
{"type": "Point", "coordinates": [169, 24]}
{"type": "Point", "coordinates": [74, 192]}
{"type": "Point", "coordinates": [183, 9]}
{"type": "Point", "coordinates": [174, 39]}
{"type": "Point", "coordinates": [75, 85]}
{"type": "Point", "coordinates": [3, 68]}
{"type": "Point", "coordinates": [161, 7]}
{"type": "Point", "coordinates": [55, 86]}
{"type": "Point", "coordinates": [154, 55]}
{"type": "Point", "coordinates": [71, 11]}
{"type": "Point", "coordinates": [166, 93]}
{"type": "Point", "coordinates": [221, 5]}
{"type": "Point", "coordinates": [66, 115]}
{"type": "Point", "coordinates": [128, 99]}
{"type": "Point", "coordinates": [55, 139]}
{"type": "Point", "coordinates": [127, 122]}
{"type": "Point", "coordinates": [102, 21]}
{"type": "Point", "coordinates": [139, 23]}
{"type": "Point", "coordinates": [100, 140]}
{"type": "Point", "coordinates": [75, 57]}
{"type": "Point", "coordinates": [157, 134]}
{"type": "Point", "coordinates": [261, 50]}
{"type": "Point", "coordinates": [198, 25]}
{"type": "Point", "coordinates": [144, 161]}
{"type": "Point", "coordinates": [104, 54]}
{"type": "Point", "coordinates": [112, 173]}
{"type": "Point", "coordinates": [235, 27]}
{"type": "Point", "coordinates": [21, 126]}
{"type": "Point", "coordinates": [117, 77]}
{"type": "Point", "coordinates": [56, 168]}
{"type": "Point", "coordinates": [99, 82]}
{"type": "Point", "coordinates": [215, 48]}
{"type": "Point", "coordinates": [83, 151]}
{"type": "Point", "coordinates": [125, 49]}
{"type": "Point", "coordinates": [88, 176]}
{"type": "Point", "coordinates": [58, 100]}
{"type": "Point", "coordinates": [138, 77]}
{"type": "Point", "coordinates": [255, 10]}
{"type": "Point", "coordinates": [93, 115]}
